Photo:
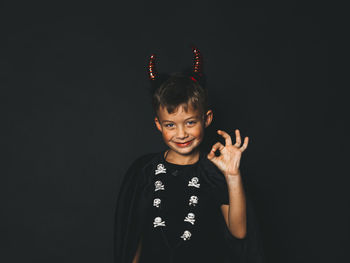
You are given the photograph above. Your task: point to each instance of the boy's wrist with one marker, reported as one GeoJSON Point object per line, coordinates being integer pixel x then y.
{"type": "Point", "coordinates": [233, 178]}
{"type": "Point", "coordinates": [232, 174]}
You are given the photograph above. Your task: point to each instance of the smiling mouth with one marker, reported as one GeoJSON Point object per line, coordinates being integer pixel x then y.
{"type": "Point", "coordinates": [184, 144]}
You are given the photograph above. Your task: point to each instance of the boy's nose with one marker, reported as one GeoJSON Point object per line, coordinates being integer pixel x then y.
{"type": "Point", "coordinates": [181, 134]}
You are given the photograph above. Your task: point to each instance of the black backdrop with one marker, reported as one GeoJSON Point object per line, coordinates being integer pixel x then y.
{"type": "Point", "coordinates": [75, 113]}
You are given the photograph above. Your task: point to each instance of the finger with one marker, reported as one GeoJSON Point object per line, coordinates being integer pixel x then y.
{"type": "Point", "coordinates": [211, 156]}
{"type": "Point", "coordinates": [245, 144]}
{"type": "Point", "coordinates": [238, 138]}
{"type": "Point", "coordinates": [217, 146]}
{"type": "Point", "coordinates": [226, 136]}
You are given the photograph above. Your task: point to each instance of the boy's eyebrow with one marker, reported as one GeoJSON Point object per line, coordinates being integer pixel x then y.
{"type": "Point", "coordinates": [185, 119]}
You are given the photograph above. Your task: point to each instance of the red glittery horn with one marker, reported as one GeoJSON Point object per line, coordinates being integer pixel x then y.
{"type": "Point", "coordinates": [197, 61]}
{"type": "Point", "coordinates": [152, 72]}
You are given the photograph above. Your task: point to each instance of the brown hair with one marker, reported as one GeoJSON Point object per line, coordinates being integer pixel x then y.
{"type": "Point", "coordinates": [180, 89]}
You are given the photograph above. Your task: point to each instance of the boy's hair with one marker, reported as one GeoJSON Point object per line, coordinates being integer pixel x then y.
{"type": "Point", "coordinates": [180, 89]}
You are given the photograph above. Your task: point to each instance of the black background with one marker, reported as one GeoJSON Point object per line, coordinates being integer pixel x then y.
{"type": "Point", "coordinates": [75, 114]}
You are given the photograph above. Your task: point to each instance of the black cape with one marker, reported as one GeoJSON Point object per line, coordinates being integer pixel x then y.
{"type": "Point", "coordinates": [135, 195]}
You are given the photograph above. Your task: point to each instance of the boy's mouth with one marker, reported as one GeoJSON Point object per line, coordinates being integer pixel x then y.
{"type": "Point", "coordinates": [184, 144]}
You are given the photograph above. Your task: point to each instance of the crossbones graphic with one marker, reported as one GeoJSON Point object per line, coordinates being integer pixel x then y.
{"type": "Point", "coordinates": [194, 182]}
{"type": "Point", "coordinates": [186, 235]}
{"type": "Point", "coordinates": [159, 186]}
{"type": "Point", "coordinates": [160, 169]}
{"type": "Point", "coordinates": [190, 218]}
{"type": "Point", "coordinates": [156, 202]}
{"type": "Point", "coordinates": [158, 222]}
{"type": "Point", "coordinates": [193, 200]}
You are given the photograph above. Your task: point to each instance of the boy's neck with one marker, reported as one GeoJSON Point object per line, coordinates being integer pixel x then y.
{"type": "Point", "coordinates": [176, 158]}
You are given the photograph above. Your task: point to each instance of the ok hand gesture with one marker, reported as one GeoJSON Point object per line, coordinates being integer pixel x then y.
{"type": "Point", "coordinates": [230, 155]}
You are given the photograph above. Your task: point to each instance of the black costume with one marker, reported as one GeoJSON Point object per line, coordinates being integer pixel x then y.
{"type": "Point", "coordinates": [156, 201]}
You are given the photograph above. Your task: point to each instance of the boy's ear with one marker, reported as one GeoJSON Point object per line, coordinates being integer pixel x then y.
{"type": "Point", "coordinates": [156, 121]}
{"type": "Point", "coordinates": [208, 118]}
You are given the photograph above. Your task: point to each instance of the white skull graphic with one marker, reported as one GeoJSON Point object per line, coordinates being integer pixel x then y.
{"type": "Point", "coordinates": [156, 202]}
{"type": "Point", "coordinates": [193, 200]}
{"type": "Point", "coordinates": [160, 169]}
{"type": "Point", "coordinates": [190, 215]}
{"type": "Point", "coordinates": [194, 182]}
{"type": "Point", "coordinates": [158, 222]}
{"type": "Point", "coordinates": [190, 218]}
{"type": "Point", "coordinates": [159, 185]}
{"type": "Point", "coordinates": [186, 235]}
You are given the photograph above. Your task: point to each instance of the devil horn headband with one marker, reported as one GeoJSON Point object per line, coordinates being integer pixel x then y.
{"type": "Point", "coordinates": [196, 69]}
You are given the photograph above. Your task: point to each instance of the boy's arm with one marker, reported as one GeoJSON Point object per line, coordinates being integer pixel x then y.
{"type": "Point", "coordinates": [138, 251]}
{"type": "Point", "coordinates": [235, 212]}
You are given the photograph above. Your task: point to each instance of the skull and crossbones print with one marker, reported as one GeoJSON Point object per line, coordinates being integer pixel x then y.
{"type": "Point", "coordinates": [156, 202]}
{"type": "Point", "coordinates": [159, 185]}
{"type": "Point", "coordinates": [158, 222]}
{"type": "Point", "coordinates": [190, 218]}
{"type": "Point", "coordinates": [160, 169]}
{"type": "Point", "coordinates": [186, 235]}
{"type": "Point", "coordinates": [194, 182]}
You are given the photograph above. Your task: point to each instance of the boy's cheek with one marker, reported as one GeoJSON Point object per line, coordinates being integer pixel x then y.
{"type": "Point", "coordinates": [166, 136]}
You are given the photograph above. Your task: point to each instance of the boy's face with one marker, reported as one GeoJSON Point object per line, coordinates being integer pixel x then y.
{"type": "Point", "coordinates": [183, 131]}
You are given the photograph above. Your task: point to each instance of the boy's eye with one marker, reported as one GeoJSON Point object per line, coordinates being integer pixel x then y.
{"type": "Point", "coordinates": [170, 125]}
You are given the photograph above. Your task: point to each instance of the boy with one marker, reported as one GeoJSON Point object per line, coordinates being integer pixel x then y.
{"type": "Point", "coordinates": [181, 205]}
